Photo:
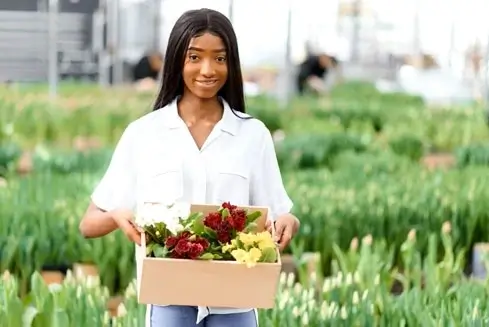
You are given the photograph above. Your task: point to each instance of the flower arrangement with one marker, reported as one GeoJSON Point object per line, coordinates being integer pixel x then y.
{"type": "Point", "coordinates": [230, 233]}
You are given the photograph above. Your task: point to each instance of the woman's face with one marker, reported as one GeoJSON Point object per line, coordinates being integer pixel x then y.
{"type": "Point", "coordinates": [205, 69]}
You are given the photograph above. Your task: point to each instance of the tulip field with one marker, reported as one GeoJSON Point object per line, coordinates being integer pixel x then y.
{"type": "Point", "coordinates": [392, 194]}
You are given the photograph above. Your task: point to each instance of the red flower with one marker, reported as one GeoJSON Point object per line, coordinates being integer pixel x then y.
{"type": "Point", "coordinates": [195, 251]}
{"type": "Point", "coordinates": [186, 248]}
{"type": "Point", "coordinates": [203, 242]}
{"type": "Point", "coordinates": [237, 219]}
{"type": "Point", "coordinates": [184, 234]}
{"type": "Point", "coordinates": [229, 206]}
{"type": "Point", "coordinates": [224, 232]}
{"type": "Point", "coordinates": [171, 241]}
{"type": "Point", "coordinates": [183, 246]}
{"type": "Point", "coordinates": [213, 220]}
{"type": "Point", "coordinates": [175, 255]}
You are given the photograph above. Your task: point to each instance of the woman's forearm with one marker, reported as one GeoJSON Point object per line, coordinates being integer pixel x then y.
{"type": "Point", "coordinates": [97, 223]}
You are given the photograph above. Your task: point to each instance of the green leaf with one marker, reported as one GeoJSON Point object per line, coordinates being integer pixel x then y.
{"type": "Point", "coordinates": [207, 256]}
{"type": "Point", "coordinates": [45, 317]}
{"type": "Point", "coordinates": [251, 228]}
{"type": "Point", "coordinates": [15, 312]}
{"type": "Point", "coordinates": [195, 216]}
{"type": "Point", "coordinates": [60, 318]}
{"type": "Point", "coordinates": [225, 256]}
{"type": "Point", "coordinates": [252, 217]}
{"type": "Point", "coordinates": [41, 319]}
{"type": "Point", "coordinates": [198, 225]}
{"type": "Point", "coordinates": [217, 256]}
{"type": "Point", "coordinates": [149, 249]}
{"type": "Point", "coordinates": [269, 255]}
{"type": "Point", "coordinates": [225, 213]}
{"type": "Point", "coordinates": [39, 289]}
{"type": "Point", "coordinates": [210, 232]}
{"type": "Point", "coordinates": [160, 251]}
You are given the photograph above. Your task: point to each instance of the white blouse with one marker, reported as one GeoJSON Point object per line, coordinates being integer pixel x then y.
{"type": "Point", "coordinates": [157, 160]}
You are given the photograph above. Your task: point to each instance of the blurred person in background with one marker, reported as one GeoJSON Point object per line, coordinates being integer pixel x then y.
{"type": "Point", "coordinates": [147, 71]}
{"type": "Point", "coordinates": [473, 59]}
{"type": "Point", "coordinates": [473, 69]}
{"type": "Point", "coordinates": [313, 72]}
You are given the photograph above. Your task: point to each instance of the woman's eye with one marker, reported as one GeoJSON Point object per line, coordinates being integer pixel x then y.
{"type": "Point", "coordinates": [193, 57]}
{"type": "Point", "coordinates": [221, 59]}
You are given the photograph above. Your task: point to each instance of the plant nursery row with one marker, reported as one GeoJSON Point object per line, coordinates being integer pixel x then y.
{"type": "Point", "coordinates": [391, 194]}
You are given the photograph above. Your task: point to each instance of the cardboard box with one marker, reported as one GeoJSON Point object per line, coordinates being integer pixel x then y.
{"type": "Point", "coordinates": [164, 281]}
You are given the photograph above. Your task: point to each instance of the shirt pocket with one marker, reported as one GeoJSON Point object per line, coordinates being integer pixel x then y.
{"type": "Point", "coordinates": [161, 183]}
{"type": "Point", "coordinates": [233, 185]}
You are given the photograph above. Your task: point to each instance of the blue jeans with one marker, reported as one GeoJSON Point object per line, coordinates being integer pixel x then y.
{"type": "Point", "coordinates": [186, 316]}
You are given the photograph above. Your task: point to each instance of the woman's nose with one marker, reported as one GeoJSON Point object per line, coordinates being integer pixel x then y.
{"type": "Point", "coordinates": [207, 69]}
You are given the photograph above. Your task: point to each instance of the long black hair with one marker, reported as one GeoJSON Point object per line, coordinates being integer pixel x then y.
{"type": "Point", "coordinates": [191, 24]}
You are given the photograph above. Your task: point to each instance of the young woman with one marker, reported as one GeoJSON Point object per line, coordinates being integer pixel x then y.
{"type": "Point", "coordinates": [197, 145]}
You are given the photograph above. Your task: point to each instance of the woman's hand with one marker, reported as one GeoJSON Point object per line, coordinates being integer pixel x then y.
{"type": "Point", "coordinates": [124, 220]}
{"type": "Point", "coordinates": [286, 226]}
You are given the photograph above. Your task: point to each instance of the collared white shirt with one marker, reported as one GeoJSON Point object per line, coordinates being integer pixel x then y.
{"type": "Point", "coordinates": [157, 160]}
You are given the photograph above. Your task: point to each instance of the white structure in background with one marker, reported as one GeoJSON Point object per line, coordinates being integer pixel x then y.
{"type": "Point", "coordinates": [437, 86]}
{"type": "Point", "coordinates": [138, 28]}
{"type": "Point", "coordinates": [443, 28]}
{"type": "Point", "coordinates": [331, 44]}
{"type": "Point", "coordinates": [261, 26]}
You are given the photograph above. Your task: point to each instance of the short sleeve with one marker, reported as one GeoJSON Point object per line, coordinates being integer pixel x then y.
{"type": "Point", "coordinates": [267, 188]}
{"type": "Point", "coordinates": [116, 189]}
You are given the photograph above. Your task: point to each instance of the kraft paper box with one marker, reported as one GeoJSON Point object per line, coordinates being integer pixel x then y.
{"type": "Point", "coordinates": [165, 281]}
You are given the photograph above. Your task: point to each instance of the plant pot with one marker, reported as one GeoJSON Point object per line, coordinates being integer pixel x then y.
{"type": "Point", "coordinates": [6, 276]}
{"type": "Point", "coordinates": [63, 268]}
{"type": "Point", "coordinates": [25, 164]}
{"type": "Point", "coordinates": [438, 160]}
{"type": "Point", "coordinates": [83, 144]}
{"type": "Point", "coordinates": [479, 251]}
{"type": "Point", "coordinates": [397, 287]}
{"type": "Point", "coordinates": [288, 264]}
{"type": "Point", "coordinates": [52, 277]}
{"type": "Point", "coordinates": [311, 261]}
{"type": "Point", "coordinates": [84, 270]}
{"type": "Point", "coordinates": [113, 304]}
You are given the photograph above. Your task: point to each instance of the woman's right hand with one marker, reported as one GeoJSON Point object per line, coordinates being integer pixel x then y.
{"type": "Point", "coordinates": [124, 220]}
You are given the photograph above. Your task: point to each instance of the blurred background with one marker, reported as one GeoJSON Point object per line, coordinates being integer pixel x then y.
{"type": "Point", "coordinates": [379, 112]}
{"type": "Point", "coordinates": [101, 41]}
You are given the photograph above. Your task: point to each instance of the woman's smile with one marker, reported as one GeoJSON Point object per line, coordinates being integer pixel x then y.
{"type": "Point", "coordinates": [207, 83]}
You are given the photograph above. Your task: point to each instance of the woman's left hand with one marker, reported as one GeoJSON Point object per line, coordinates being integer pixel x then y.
{"type": "Point", "coordinates": [286, 226]}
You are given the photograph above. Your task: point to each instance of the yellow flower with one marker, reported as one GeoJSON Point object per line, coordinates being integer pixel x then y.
{"type": "Point", "coordinates": [265, 240]}
{"type": "Point", "coordinates": [249, 257]}
{"type": "Point", "coordinates": [247, 239]}
{"type": "Point", "coordinates": [240, 255]}
{"type": "Point", "coordinates": [230, 246]}
{"type": "Point", "coordinates": [262, 240]}
{"type": "Point", "coordinates": [255, 254]}
{"type": "Point", "coordinates": [251, 248]}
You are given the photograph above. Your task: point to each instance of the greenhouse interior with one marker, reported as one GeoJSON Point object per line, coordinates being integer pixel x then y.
{"type": "Point", "coordinates": [348, 194]}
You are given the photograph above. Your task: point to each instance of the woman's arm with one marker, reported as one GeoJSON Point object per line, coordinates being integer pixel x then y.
{"type": "Point", "coordinates": [97, 222]}
{"type": "Point", "coordinates": [113, 200]}
{"type": "Point", "coordinates": [267, 189]}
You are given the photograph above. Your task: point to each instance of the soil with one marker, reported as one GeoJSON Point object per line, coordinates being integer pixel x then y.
{"type": "Point", "coordinates": [438, 160]}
